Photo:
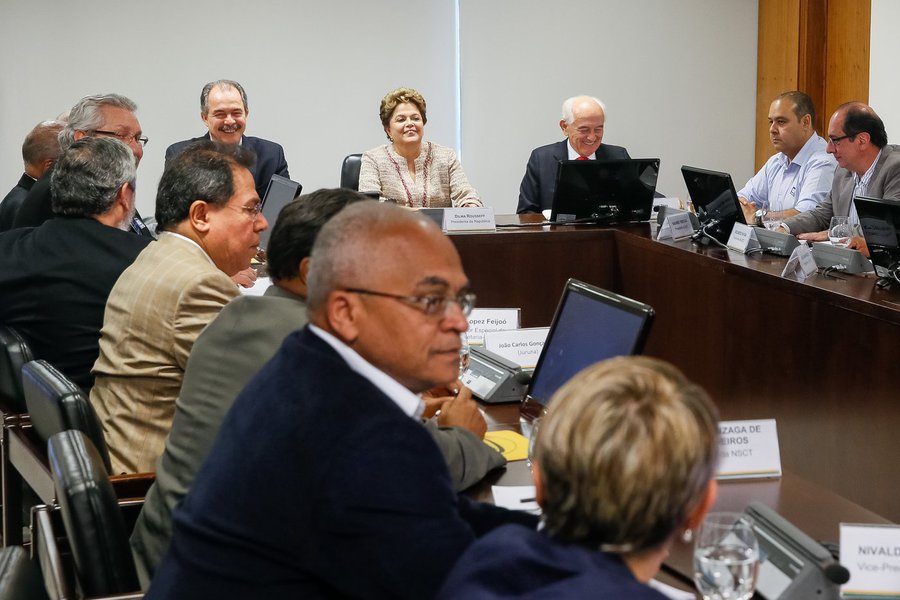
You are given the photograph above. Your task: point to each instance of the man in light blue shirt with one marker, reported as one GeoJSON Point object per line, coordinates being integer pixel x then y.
{"type": "Point", "coordinates": [800, 175]}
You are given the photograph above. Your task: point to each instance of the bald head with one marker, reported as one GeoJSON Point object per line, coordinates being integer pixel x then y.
{"type": "Point", "coordinates": [583, 120]}
{"type": "Point", "coordinates": [384, 280]}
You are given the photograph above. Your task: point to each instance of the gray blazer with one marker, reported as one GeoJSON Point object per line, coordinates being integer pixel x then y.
{"type": "Point", "coordinates": [885, 183]}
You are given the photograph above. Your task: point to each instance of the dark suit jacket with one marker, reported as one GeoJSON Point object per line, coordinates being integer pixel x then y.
{"type": "Point", "coordinates": [13, 201]}
{"type": "Point", "coordinates": [515, 562]}
{"type": "Point", "coordinates": [269, 158]}
{"type": "Point", "coordinates": [54, 283]}
{"type": "Point", "coordinates": [318, 485]}
{"type": "Point", "coordinates": [539, 183]}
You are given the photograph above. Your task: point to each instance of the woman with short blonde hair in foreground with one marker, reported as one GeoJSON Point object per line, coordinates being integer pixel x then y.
{"type": "Point", "coordinates": [624, 462]}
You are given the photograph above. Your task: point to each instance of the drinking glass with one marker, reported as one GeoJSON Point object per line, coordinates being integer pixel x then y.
{"type": "Point", "coordinates": [726, 557]}
{"type": "Point", "coordinates": [772, 219]}
{"type": "Point", "coordinates": [839, 231]}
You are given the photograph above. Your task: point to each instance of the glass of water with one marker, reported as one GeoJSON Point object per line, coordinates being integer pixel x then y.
{"type": "Point", "coordinates": [726, 557]}
{"type": "Point", "coordinates": [839, 231]}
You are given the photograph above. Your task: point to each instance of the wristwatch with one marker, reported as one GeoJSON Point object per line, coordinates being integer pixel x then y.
{"type": "Point", "coordinates": [759, 217]}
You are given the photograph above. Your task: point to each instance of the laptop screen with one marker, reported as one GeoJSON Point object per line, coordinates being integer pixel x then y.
{"type": "Point", "coordinates": [281, 190]}
{"type": "Point", "coordinates": [880, 223]}
{"type": "Point", "coordinates": [715, 201]}
{"type": "Point", "coordinates": [605, 191]}
{"type": "Point", "coordinates": [590, 325]}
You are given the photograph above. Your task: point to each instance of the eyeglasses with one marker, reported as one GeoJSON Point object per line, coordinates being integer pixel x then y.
{"type": "Point", "coordinates": [431, 305]}
{"type": "Point", "coordinates": [251, 211]}
{"type": "Point", "coordinates": [835, 140]}
{"type": "Point", "coordinates": [140, 139]}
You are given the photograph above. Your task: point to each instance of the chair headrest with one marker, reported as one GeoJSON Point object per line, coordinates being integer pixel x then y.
{"type": "Point", "coordinates": [14, 353]}
{"type": "Point", "coordinates": [19, 577]}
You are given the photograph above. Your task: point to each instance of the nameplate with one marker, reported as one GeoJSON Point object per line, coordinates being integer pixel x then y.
{"type": "Point", "coordinates": [801, 263]}
{"type": "Point", "coordinates": [748, 449]}
{"type": "Point", "coordinates": [469, 219]}
{"type": "Point", "coordinates": [521, 346]}
{"type": "Point", "coordinates": [491, 319]}
{"type": "Point", "coordinates": [872, 555]}
{"type": "Point", "coordinates": [743, 239]}
{"type": "Point", "coordinates": [676, 227]}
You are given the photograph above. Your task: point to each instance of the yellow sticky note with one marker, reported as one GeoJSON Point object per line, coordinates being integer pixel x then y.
{"type": "Point", "coordinates": [512, 445]}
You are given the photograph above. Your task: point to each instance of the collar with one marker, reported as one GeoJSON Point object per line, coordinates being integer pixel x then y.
{"type": "Point", "coordinates": [573, 155]}
{"type": "Point", "coordinates": [409, 403]}
{"type": "Point", "coordinates": [189, 241]}
{"type": "Point", "coordinates": [867, 176]}
{"type": "Point", "coordinates": [811, 147]}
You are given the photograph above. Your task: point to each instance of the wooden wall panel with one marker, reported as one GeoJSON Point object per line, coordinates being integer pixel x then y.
{"type": "Point", "coordinates": [847, 76]}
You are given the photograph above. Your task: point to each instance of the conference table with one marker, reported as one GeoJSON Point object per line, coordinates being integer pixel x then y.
{"type": "Point", "coordinates": [816, 355]}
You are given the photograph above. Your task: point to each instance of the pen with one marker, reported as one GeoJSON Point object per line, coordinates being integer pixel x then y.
{"type": "Point", "coordinates": [524, 500]}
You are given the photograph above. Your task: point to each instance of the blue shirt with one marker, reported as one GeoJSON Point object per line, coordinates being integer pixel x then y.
{"type": "Point", "coordinates": [801, 184]}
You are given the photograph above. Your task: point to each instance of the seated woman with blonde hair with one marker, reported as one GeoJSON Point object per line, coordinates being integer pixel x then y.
{"type": "Point", "coordinates": [624, 463]}
{"type": "Point", "coordinates": [410, 171]}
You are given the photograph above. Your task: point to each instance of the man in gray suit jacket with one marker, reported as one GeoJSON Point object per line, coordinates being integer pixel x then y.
{"type": "Point", "coordinates": [216, 373]}
{"type": "Point", "coordinates": [867, 166]}
{"type": "Point", "coordinates": [583, 118]}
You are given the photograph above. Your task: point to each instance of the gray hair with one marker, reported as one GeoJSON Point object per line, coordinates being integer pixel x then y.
{"type": "Point", "coordinates": [344, 247]}
{"type": "Point", "coordinates": [568, 114]}
{"type": "Point", "coordinates": [42, 143]}
{"type": "Point", "coordinates": [86, 116]}
{"type": "Point", "coordinates": [626, 451]}
{"type": "Point", "coordinates": [88, 175]}
{"type": "Point", "coordinates": [222, 83]}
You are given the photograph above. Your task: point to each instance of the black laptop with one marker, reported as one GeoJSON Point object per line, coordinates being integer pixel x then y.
{"type": "Point", "coordinates": [280, 192]}
{"type": "Point", "coordinates": [879, 219]}
{"type": "Point", "coordinates": [715, 201]}
{"type": "Point", "coordinates": [606, 192]}
{"type": "Point", "coordinates": [590, 325]}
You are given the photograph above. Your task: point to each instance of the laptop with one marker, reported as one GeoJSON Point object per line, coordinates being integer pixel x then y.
{"type": "Point", "coordinates": [280, 192]}
{"type": "Point", "coordinates": [590, 325]}
{"type": "Point", "coordinates": [606, 192]}
{"type": "Point", "coordinates": [715, 201]}
{"type": "Point", "coordinates": [879, 219]}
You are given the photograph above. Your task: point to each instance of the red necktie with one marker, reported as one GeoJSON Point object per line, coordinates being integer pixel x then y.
{"type": "Point", "coordinates": [582, 158]}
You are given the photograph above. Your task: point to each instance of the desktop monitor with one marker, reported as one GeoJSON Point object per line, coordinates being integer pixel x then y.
{"type": "Point", "coordinates": [606, 192]}
{"type": "Point", "coordinates": [880, 222]}
{"type": "Point", "coordinates": [590, 325]}
{"type": "Point", "coordinates": [715, 201]}
{"type": "Point", "coordinates": [281, 190]}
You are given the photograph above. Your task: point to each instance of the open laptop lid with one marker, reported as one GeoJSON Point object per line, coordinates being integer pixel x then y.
{"type": "Point", "coordinates": [590, 325]}
{"type": "Point", "coordinates": [715, 201]}
{"type": "Point", "coordinates": [605, 191]}
{"type": "Point", "coordinates": [879, 219]}
{"type": "Point", "coordinates": [280, 191]}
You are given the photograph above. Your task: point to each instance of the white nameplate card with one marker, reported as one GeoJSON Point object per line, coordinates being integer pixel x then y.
{"type": "Point", "coordinates": [743, 239]}
{"type": "Point", "coordinates": [491, 319]}
{"type": "Point", "coordinates": [748, 449]}
{"type": "Point", "coordinates": [469, 219]}
{"type": "Point", "coordinates": [521, 346]}
{"type": "Point", "coordinates": [872, 555]}
{"type": "Point", "coordinates": [676, 227]}
{"type": "Point", "coordinates": [801, 263]}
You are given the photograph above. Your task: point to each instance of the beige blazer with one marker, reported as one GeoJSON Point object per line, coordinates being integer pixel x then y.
{"type": "Point", "coordinates": [155, 311]}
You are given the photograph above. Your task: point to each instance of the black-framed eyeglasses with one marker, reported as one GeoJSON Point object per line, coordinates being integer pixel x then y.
{"type": "Point", "coordinates": [251, 211]}
{"type": "Point", "coordinates": [125, 137]}
{"type": "Point", "coordinates": [835, 140]}
{"type": "Point", "coordinates": [432, 305]}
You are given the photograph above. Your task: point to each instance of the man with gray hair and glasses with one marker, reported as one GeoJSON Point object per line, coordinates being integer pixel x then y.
{"type": "Point", "coordinates": [224, 111]}
{"type": "Point", "coordinates": [104, 115]}
{"type": "Point", "coordinates": [55, 278]}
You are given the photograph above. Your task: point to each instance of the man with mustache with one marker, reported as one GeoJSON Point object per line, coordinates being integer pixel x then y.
{"type": "Point", "coordinates": [224, 111]}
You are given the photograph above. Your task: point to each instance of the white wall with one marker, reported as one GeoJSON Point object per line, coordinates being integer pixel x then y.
{"type": "Point", "coordinates": [884, 85]}
{"type": "Point", "coordinates": [678, 77]}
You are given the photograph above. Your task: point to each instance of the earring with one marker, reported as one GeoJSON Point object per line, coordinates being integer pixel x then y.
{"type": "Point", "coordinates": [687, 536]}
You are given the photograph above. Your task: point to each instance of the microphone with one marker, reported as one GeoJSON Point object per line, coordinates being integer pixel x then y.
{"type": "Point", "coordinates": [837, 573]}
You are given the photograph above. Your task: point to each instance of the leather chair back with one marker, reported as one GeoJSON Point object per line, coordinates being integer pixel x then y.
{"type": "Point", "coordinates": [19, 577]}
{"type": "Point", "coordinates": [56, 404]}
{"type": "Point", "coordinates": [91, 516]}
{"type": "Point", "coordinates": [350, 171]}
{"type": "Point", "coordinates": [14, 353]}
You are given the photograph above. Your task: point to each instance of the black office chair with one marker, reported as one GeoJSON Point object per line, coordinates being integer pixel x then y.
{"type": "Point", "coordinates": [91, 516]}
{"type": "Point", "coordinates": [19, 576]}
{"type": "Point", "coordinates": [14, 353]}
{"type": "Point", "coordinates": [350, 171]}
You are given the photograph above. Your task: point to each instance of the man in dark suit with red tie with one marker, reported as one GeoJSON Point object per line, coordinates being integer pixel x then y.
{"type": "Point", "coordinates": [223, 109]}
{"type": "Point", "coordinates": [583, 118]}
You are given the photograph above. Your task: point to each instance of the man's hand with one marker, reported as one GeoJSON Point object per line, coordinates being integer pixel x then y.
{"type": "Point", "coordinates": [859, 243]}
{"type": "Point", "coordinates": [818, 236]}
{"type": "Point", "coordinates": [462, 411]}
{"type": "Point", "coordinates": [749, 210]}
{"type": "Point", "coordinates": [245, 278]}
